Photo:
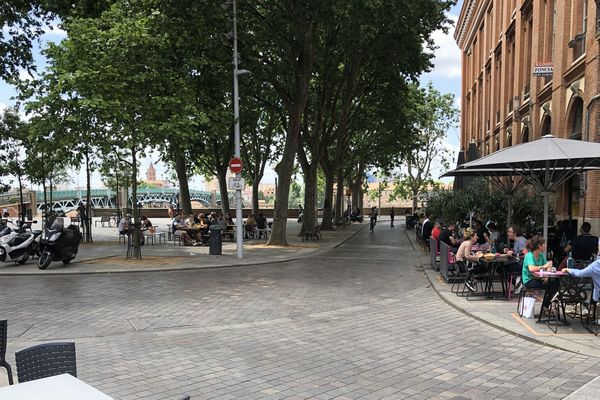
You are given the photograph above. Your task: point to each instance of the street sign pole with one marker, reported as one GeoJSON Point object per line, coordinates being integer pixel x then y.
{"type": "Point", "coordinates": [239, 232]}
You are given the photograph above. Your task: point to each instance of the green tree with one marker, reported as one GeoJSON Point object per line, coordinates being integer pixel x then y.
{"type": "Point", "coordinates": [434, 115]}
{"type": "Point", "coordinates": [14, 141]}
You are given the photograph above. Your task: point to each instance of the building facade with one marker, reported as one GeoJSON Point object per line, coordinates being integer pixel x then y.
{"type": "Point", "coordinates": [531, 68]}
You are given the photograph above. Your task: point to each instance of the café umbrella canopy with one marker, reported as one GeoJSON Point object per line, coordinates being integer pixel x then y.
{"type": "Point", "coordinates": [546, 163]}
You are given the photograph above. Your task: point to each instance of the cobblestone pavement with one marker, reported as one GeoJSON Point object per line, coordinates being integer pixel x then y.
{"type": "Point", "coordinates": [356, 322]}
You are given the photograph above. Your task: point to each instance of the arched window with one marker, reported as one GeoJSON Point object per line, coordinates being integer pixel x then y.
{"type": "Point", "coordinates": [546, 126]}
{"type": "Point", "coordinates": [525, 135]}
{"type": "Point", "coordinates": [576, 118]}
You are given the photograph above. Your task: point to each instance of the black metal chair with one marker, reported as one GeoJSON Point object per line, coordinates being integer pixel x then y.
{"type": "Point", "coordinates": [46, 360]}
{"type": "Point", "coordinates": [3, 339]}
{"type": "Point", "coordinates": [185, 397]}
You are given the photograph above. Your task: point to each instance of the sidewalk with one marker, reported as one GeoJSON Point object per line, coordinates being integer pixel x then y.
{"type": "Point", "coordinates": [106, 255]}
{"type": "Point", "coordinates": [502, 314]}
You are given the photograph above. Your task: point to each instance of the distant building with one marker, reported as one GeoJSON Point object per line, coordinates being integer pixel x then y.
{"type": "Point", "coordinates": [152, 181]}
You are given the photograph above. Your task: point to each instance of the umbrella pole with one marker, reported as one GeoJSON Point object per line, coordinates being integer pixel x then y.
{"type": "Point", "coordinates": [546, 201]}
{"type": "Point", "coordinates": [509, 209]}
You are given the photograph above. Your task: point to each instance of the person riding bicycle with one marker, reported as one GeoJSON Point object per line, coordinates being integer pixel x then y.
{"type": "Point", "coordinates": [373, 216]}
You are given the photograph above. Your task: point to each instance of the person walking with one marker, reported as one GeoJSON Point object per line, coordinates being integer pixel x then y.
{"type": "Point", "coordinates": [392, 215]}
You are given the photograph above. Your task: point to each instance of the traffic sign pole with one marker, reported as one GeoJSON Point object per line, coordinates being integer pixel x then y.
{"type": "Point", "coordinates": [239, 232]}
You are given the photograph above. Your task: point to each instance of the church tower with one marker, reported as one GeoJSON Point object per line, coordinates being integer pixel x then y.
{"type": "Point", "coordinates": [151, 174]}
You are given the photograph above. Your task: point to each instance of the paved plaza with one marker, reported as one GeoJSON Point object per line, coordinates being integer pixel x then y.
{"type": "Point", "coordinates": [356, 321]}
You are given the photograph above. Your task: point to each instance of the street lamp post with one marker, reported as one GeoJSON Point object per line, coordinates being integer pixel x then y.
{"type": "Point", "coordinates": [236, 117]}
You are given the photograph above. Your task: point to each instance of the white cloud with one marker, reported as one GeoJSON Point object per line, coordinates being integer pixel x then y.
{"type": "Point", "coordinates": [447, 54]}
{"type": "Point", "coordinates": [24, 75]}
{"type": "Point", "coordinates": [54, 30]}
{"type": "Point", "coordinates": [3, 106]}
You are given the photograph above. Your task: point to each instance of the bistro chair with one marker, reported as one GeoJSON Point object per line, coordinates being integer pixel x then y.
{"type": "Point", "coordinates": [3, 340]}
{"type": "Point", "coordinates": [46, 360]}
{"type": "Point", "coordinates": [591, 322]}
{"type": "Point", "coordinates": [459, 276]}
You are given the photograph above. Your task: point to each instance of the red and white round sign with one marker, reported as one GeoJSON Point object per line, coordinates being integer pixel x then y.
{"type": "Point", "coordinates": [235, 165]}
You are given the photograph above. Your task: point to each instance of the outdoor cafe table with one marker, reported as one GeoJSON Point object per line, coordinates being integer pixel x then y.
{"type": "Point", "coordinates": [550, 276]}
{"type": "Point", "coordinates": [492, 265]}
{"type": "Point", "coordinates": [59, 387]}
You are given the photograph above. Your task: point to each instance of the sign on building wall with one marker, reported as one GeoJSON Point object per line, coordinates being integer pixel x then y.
{"type": "Point", "coordinates": [543, 69]}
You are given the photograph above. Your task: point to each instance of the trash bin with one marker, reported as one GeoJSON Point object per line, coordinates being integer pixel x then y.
{"type": "Point", "coordinates": [215, 242]}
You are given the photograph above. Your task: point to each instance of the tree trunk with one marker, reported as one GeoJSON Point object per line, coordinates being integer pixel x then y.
{"type": "Point", "coordinates": [327, 222]}
{"type": "Point", "coordinates": [117, 197]}
{"type": "Point", "coordinates": [414, 202]}
{"type": "Point", "coordinates": [184, 190]}
{"type": "Point", "coordinates": [255, 183]}
{"type": "Point", "coordinates": [137, 250]}
{"type": "Point", "coordinates": [22, 206]}
{"type": "Point", "coordinates": [88, 218]}
{"type": "Point", "coordinates": [339, 196]}
{"type": "Point", "coordinates": [309, 220]}
{"type": "Point", "coordinates": [222, 178]}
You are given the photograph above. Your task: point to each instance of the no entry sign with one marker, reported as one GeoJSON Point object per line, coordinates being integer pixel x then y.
{"type": "Point", "coordinates": [235, 165]}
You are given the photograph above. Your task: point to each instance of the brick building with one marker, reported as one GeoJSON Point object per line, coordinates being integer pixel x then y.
{"type": "Point", "coordinates": [531, 68]}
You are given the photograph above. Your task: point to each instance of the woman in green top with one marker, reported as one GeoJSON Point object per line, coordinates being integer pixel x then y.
{"type": "Point", "coordinates": [535, 261]}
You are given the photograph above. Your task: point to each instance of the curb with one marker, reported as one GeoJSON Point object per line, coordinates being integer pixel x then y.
{"type": "Point", "coordinates": [173, 269]}
{"type": "Point", "coordinates": [486, 322]}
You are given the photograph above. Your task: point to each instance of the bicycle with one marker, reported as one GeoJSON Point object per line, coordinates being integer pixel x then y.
{"type": "Point", "coordinates": [373, 223]}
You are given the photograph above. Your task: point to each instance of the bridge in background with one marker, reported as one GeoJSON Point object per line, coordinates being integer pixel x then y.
{"type": "Point", "coordinates": [67, 200]}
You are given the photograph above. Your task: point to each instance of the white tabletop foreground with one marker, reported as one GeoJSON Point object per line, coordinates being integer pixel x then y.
{"type": "Point", "coordinates": [59, 387]}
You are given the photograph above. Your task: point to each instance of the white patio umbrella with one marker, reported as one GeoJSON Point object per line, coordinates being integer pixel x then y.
{"type": "Point", "coordinates": [545, 163]}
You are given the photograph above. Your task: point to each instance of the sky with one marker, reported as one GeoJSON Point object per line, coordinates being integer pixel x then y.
{"type": "Point", "coordinates": [445, 77]}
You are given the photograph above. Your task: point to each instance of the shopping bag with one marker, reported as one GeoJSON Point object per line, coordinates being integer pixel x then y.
{"type": "Point", "coordinates": [527, 307]}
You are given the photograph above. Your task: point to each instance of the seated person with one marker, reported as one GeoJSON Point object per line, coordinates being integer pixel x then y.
{"type": "Point", "coordinates": [124, 226]}
{"type": "Point", "coordinates": [535, 261]}
{"type": "Point", "coordinates": [515, 235]}
{"type": "Point", "coordinates": [147, 225]}
{"type": "Point", "coordinates": [591, 271]}
{"type": "Point", "coordinates": [482, 233]}
{"type": "Point", "coordinates": [493, 236]}
{"type": "Point", "coordinates": [204, 227]}
{"type": "Point", "coordinates": [261, 224]}
{"type": "Point", "coordinates": [228, 219]}
{"type": "Point", "coordinates": [195, 223]}
{"type": "Point", "coordinates": [437, 228]}
{"type": "Point", "coordinates": [249, 226]}
{"type": "Point", "coordinates": [583, 246]}
{"type": "Point", "coordinates": [447, 236]}
{"type": "Point", "coordinates": [463, 255]}
{"type": "Point", "coordinates": [179, 227]}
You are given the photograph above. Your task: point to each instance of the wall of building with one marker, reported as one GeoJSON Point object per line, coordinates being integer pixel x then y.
{"type": "Point", "coordinates": [503, 104]}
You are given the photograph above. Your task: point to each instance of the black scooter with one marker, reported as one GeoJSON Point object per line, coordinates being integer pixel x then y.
{"type": "Point", "coordinates": [58, 244]}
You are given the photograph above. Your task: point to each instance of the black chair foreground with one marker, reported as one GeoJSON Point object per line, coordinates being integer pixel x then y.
{"type": "Point", "coordinates": [46, 360]}
{"type": "Point", "coordinates": [3, 363]}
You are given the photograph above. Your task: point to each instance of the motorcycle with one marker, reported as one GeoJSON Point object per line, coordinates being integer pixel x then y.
{"type": "Point", "coordinates": [18, 245]}
{"type": "Point", "coordinates": [356, 218]}
{"type": "Point", "coordinates": [59, 244]}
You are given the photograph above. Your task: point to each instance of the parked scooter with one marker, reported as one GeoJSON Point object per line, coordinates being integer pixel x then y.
{"type": "Point", "coordinates": [19, 244]}
{"type": "Point", "coordinates": [58, 243]}
{"type": "Point", "coordinates": [4, 229]}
